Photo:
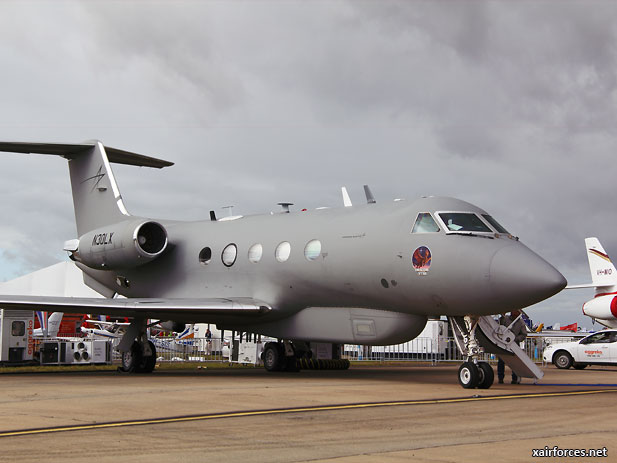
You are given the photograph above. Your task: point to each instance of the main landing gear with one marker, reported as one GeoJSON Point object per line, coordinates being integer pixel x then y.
{"type": "Point", "coordinates": [138, 353]}
{"type": "Point", "coordinates": [140, 358]}
{"type": "Point", "coordinates": [472, 373]}
{"type": "Point", "coordinates": [292, 357]}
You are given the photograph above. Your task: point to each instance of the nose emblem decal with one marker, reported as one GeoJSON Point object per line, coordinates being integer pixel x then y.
{"type": "Point", "coordinates": [421, 260]}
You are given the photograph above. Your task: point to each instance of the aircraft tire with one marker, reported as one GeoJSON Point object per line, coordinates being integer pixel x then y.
{"type": "Point", "coordinates": [132, 359]}
{"type": "Point", "coordinates": [273, 357]}
{"type": "Point", "coordinates": [468, 375]}
{"type": "Point", "coordinates": [487, 375]}
{"type": "Point", "coordinates": [148, 363]}
{"type": "Point", "coordinates": [562, 360]}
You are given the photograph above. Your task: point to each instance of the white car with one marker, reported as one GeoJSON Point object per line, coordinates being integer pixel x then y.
{"type": "Point", "coordinates": [596, 349]}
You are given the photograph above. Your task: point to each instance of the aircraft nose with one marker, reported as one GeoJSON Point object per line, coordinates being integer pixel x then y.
{"type": "Point", "coordinates": [519, 277]}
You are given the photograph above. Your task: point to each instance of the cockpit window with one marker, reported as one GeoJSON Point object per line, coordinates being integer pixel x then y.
{"type": "Point", "coordinates": [425, 224]}
{"type": "Point", "coordinates": [464, 222]}
{"type": "Point", "coordinates": [496, 225]}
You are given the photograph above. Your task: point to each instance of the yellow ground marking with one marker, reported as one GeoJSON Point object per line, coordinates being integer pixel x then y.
{"type": "Point", "coordinates": [321, 408]}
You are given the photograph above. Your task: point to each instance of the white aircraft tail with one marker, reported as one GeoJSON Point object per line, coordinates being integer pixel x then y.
{"type": "Point", "coordinates": [49, 325]}
{"type": "Point", "coordinates": [188, 333]}
{"type": "Point", "coordinates": [603, 272]}
{"type": "Point", "coordinates": [53, 324]}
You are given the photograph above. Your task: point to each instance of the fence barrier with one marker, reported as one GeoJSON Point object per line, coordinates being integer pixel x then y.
{"type": "Point", "coordinates": [421, 349]}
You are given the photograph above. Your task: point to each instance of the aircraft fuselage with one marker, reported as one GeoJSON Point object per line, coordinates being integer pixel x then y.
{"type": "Point", "coordinates": [362, 258]}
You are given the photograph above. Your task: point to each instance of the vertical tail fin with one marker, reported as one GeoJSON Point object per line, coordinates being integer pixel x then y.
{"type": "Point", "coordinates": [53, 324]}
{"type": "Point", "coordinates": [96, 197]}
{"type": "Point", "coordinates": [188, 333]}
{"type": "Point", "coordinates": [603, 272]}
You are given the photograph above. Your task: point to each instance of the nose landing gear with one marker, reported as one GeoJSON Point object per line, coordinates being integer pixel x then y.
{"type": "Point", "coordinates": [475, 335]}
{"type": "Point", "coordinates": [472, 373]}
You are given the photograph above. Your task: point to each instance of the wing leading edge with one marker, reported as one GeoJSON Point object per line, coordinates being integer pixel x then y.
{"type": "Point", "coordinates": [144, 308]}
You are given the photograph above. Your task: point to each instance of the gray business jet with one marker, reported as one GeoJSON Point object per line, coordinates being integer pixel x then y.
{"type": "Point", "coordinates": [365, 274]}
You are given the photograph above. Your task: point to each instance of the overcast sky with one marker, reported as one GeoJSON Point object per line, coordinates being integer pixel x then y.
{"type": "Point", "coordinates": [509, 105]}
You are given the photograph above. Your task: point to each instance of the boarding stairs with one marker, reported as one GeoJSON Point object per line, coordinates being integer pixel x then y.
{"type": "Point", "coordinates": [497, 339]}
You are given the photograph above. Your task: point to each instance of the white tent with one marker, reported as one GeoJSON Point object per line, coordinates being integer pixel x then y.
{"type": "Point", "coordinates": [63, 279]}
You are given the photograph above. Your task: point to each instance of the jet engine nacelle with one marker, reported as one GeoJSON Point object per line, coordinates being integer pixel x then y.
{"type": "Point", "coordinates": [602, 307]}
{"type": "Point", "coordinates": [123, 245]}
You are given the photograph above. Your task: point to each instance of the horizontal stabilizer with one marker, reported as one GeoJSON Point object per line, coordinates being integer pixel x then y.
{"type": "Point", "coordinates": [145, 308]}
{"type": "Point", "coordinates": [70, 151]}
{"type": "Point", "coordinates": [587, 285]}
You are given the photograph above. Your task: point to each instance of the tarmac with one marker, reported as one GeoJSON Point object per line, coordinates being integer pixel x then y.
{"type": "Point", "coordinates": [412, 412]}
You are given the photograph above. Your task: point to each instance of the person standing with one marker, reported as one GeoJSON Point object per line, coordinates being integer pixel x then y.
{"type": "Point", "coordinates": [208, 341]}
{"type": "Point", "coordinates": [519, 329]}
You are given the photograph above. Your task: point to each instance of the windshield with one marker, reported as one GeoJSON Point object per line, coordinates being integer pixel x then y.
{"type": "Point", "coordinates": [464, 222]}
{"type": "Point", "coordinates": [496, 225]}
{"type": "Point", "coordinates": [425, 224]}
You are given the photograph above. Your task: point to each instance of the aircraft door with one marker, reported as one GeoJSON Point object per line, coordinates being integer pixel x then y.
{"type": "Point", "coordinates": [16, 342]}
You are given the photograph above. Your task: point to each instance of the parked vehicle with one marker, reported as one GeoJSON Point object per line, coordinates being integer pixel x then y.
{"type": "Point", "coordinates": [596, 349]}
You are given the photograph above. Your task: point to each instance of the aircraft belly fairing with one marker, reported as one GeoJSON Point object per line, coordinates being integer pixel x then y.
{"type": "Point", "coordinates": [343, 325]}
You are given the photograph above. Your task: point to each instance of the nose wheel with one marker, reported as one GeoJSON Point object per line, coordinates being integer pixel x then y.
{"type": "Point", "coordinates": [468, 375]}
{"type": "Point", "coordinates": [472, 373]}
{"type": "Point", "coordinates": [476, 375]}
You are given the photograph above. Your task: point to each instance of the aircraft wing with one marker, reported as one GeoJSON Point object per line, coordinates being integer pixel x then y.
{"type": "Point", "coordinates": [147, 307]}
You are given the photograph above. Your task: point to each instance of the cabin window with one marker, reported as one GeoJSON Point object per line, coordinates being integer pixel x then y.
{"type": "Point", "coordinates": [205, 255]}
{"type": "Point", "coordinates": [425, 224]}
{"type": "Point", "coordinates": [463, 222]}
{"type": "Point", "coordinates": [496, 225]}
{"type": "Point", "coordinates": [312, 250]}
{"type": "Point", "coordinates": [229, 255]}
{"type": "Point", "coordinates": [255, 253]}
{"type": "Point", "coordinates": [283, 251]}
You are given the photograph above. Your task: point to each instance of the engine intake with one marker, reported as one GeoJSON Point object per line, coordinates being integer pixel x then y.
{"type": "Point", "coordinates": [124, 245]}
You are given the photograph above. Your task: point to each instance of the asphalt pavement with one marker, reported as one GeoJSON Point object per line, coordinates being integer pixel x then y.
{"type": "Point", "coordinates": [412, 412]}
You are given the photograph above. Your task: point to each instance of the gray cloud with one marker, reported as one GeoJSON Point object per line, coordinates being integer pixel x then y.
{"type": "Point", "coordinates": [508, 105]}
